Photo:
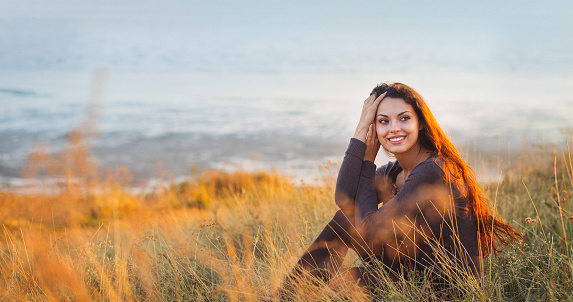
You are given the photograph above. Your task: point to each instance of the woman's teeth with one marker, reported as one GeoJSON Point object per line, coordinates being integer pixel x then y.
{"type": "Point", "coordinates": [397, 139]}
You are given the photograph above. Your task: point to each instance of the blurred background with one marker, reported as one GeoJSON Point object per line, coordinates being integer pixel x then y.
{"type": "Point", "coordinates": [164, 86]}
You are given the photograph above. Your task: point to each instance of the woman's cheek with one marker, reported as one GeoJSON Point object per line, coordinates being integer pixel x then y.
{"type": "Point", "coordinates": [380, 132]}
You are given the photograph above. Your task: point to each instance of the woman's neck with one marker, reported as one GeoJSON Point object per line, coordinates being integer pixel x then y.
{"type": "Point", "coordinates": [413, 157]}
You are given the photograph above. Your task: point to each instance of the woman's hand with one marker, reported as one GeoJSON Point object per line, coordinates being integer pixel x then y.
{"type": "Point", "coordinates": [368, 114]}
{"type": "Point", "coordinates": [372, 144]}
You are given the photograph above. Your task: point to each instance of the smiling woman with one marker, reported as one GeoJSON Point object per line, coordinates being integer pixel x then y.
{"type": "Point", "coordinates": [397, 126]}
{"type": "Point", "coordinates": [434, 222]}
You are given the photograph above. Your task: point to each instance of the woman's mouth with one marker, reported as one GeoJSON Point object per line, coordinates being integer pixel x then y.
{"type": "Point", "coordinates": [397, 139]}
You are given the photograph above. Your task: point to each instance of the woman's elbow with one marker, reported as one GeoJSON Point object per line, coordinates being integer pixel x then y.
{"type": "Point", "coordinates": [342, 200]}
{"type": "Point", "coordinates": [346, 207]}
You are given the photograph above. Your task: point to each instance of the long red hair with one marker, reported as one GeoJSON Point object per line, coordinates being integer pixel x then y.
{"type": "Point", "coordinates": [492, 231]}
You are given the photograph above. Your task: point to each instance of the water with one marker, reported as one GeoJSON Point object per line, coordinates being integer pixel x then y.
{"type": "Point", "coordinates": [262, 85]}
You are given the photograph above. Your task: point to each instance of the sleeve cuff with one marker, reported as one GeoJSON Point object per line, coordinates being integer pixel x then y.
{"type": "Point", "coordinates": [368, 169]}
{"type": "Point", "coordinates": [356, 148]}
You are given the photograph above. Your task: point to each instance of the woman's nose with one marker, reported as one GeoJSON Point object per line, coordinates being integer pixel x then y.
{"type": "Point", "coordinates": [395, 127]}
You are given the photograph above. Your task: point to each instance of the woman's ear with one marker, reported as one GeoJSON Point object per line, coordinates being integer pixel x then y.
{"type": "Point", "coordinates": [420, 126]}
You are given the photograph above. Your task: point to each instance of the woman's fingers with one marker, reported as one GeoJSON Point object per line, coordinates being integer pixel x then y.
{"type": "Point", "coordinates": [379, 99]}
{"type": "Point", "coordinates": [372, 144]}
{"type": "Point", "coordinates": [372, 137]}
{"type": "Point", "coordinates": [369, 134]}
{"type": "Point", "coordinates": [370, 99]}
{"type": "Point", "coordinates": [371, 103]}
{"type": "Point", "coordinates": [373, 132]}
{"type": "Point", "coordinates": [368, 115]}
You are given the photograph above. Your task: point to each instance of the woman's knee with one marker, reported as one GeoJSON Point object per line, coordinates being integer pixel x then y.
{"type": "Point", "coordinates": [343, 228]}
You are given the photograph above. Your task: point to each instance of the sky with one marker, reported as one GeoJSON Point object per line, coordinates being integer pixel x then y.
{"type": "Point", "coordinates": [279, 36]}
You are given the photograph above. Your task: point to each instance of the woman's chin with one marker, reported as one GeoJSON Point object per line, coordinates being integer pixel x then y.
{"type": "Point", "coordinates": [398, 148]}
{"type": "Point", "coordinates": [395, 149]}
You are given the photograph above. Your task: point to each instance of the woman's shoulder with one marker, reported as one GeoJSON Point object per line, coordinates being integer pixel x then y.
{"type": "Point", "coordinates": [430, 169]}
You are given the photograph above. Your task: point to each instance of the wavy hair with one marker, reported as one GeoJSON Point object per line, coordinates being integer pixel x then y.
{"type": "Point", "coordinates": [491, 230]}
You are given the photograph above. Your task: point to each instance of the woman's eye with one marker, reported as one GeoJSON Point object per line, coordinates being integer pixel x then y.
{"type": "Point", "coordinates": [405, 118]}
{"type": "Point", "coordinates": [383, 121]}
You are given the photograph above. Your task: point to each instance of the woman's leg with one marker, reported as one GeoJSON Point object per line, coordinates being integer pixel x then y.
{"type": "Point", "coordinates": [325, 255]}
{"type": "Point", "coordinates": [346, 281]}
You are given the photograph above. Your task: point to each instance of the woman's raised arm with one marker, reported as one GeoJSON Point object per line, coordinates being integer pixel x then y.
{"type": "Point", "coordinates": [357, 152]}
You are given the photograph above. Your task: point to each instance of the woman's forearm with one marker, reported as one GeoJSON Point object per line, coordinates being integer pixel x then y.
{"type": "Point", "coordinates": [366, 197]}
{"type": "Point", "coordinates": [349, 175]}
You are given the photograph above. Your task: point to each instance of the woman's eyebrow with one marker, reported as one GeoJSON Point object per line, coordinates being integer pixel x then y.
{"type": "Point", "coordinates": [384, 115]}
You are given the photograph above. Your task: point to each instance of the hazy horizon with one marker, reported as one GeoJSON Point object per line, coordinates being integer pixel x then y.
{"type": "Point", "coordinates": [212, 83]}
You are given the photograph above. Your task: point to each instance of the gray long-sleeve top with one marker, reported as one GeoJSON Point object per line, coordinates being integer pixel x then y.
{"type": "Point", "coordinates": [428, 224]}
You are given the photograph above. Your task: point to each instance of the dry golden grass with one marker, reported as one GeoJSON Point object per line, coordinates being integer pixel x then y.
{"type": "Point", "coordinates": [235, 236]}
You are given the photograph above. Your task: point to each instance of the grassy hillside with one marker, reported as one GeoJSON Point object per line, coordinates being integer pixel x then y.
{"type": "Point", "coordinates": [235, 236]}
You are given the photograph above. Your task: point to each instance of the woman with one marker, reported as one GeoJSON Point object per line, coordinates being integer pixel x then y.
{"type": "Point", "coordinates": [434, 220]}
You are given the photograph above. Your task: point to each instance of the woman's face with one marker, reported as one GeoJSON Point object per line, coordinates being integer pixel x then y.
{"type": "Point", "coordinates": [397, 125]}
